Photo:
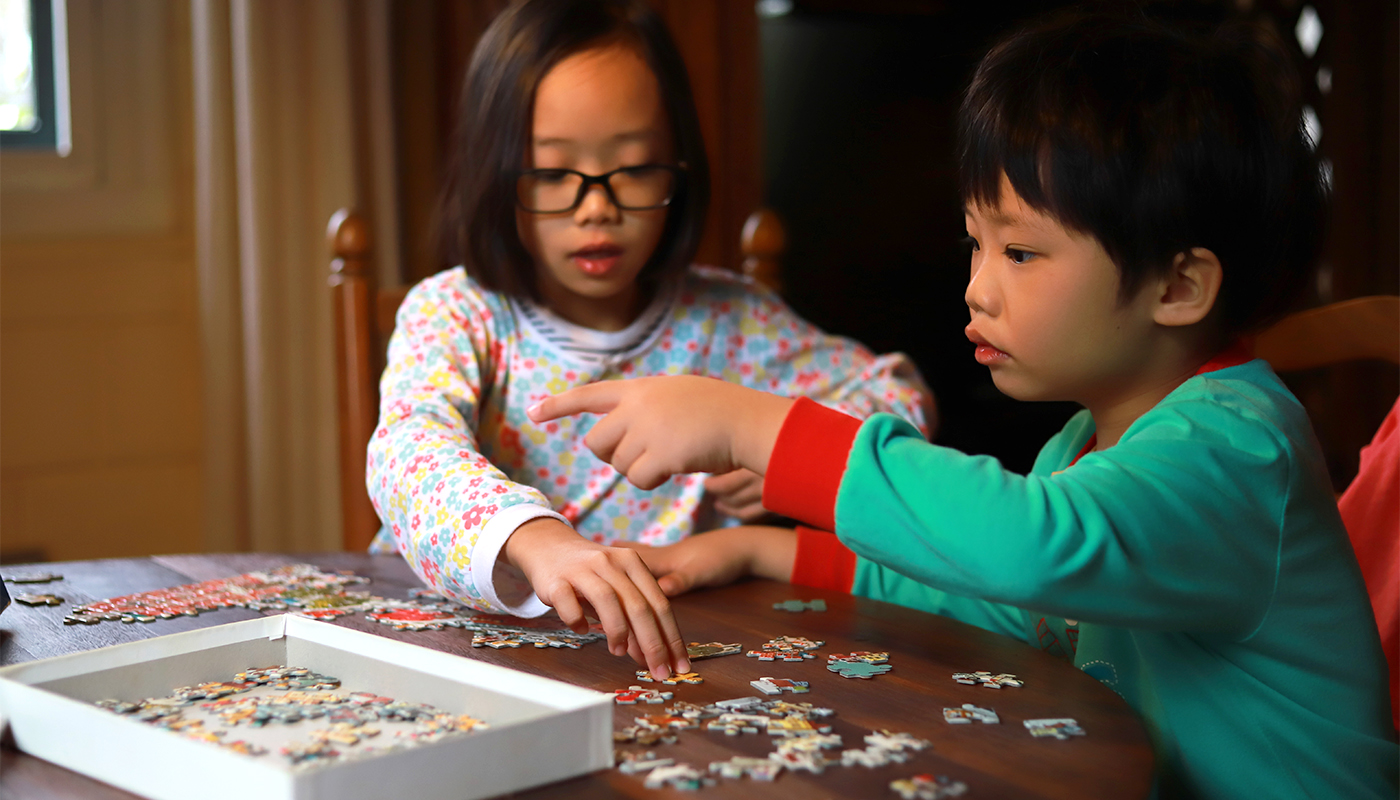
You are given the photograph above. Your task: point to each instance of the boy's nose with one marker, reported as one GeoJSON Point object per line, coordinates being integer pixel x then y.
{"type": "Point", "coordinates": [979, 295]}
{"type": "Point", "coordinates": [596, 207]}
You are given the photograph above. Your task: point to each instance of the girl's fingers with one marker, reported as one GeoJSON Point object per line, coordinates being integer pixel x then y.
{"type": "Point", "coordinates": [660, 608]}
{"type": "Point", "coordinates": [567, 606]}
{"type": "Point", "coordinates": [605, 438]}
{"type": "Point", "coordinates": [727, 482]}
{"type": "Point", "coordinates": [594, 398]}
{"type": "Point", "coordinates": [600, 595]}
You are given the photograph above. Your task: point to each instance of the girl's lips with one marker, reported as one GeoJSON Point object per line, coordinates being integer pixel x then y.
{"type": "Point", "coordinates": [597, 261]}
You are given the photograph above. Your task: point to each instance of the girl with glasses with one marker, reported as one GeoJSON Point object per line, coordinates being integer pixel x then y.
{"type": "Point", "coordinates": [575, 205]}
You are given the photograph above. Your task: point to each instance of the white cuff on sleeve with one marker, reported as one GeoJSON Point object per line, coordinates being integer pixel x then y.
{"type": "Point", "coordinates": [489, 571]}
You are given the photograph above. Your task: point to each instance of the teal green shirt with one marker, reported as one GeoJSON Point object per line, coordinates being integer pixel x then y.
{"type": "Point", "coordinates": [1202, 558]}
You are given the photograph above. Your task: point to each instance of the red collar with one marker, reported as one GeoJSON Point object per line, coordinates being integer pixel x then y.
{"type": "Point", "coordinates": [1236, 354]}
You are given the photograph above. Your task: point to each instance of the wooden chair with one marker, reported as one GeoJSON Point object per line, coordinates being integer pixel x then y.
{"type": "Point", "coordinates": [1349, 330]}
{"type": "Point", "coordinates": [364, 319]}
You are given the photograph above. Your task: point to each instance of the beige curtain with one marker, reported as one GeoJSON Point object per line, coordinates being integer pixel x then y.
{"type": "Point", "coordinates": [291, 123]}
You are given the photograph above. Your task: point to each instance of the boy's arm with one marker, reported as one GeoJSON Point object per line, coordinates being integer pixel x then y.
{"type": "Point", "coordinates": [1161, 530]}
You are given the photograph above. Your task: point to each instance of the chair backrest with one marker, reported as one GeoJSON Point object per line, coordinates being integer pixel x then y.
{"type": "Point", "coordinates": [364, 319]}
{"type": "Point", "coordinates": [1348, 330]}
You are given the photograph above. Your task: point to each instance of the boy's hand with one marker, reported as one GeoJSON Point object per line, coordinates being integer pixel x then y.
{"type": "Point", "coordinates": [574, 576]}
{"type": "Point", "coordinates": [664, 426]}
{"type": "Point", "coordinates": [721, 556]}
{"type": "Point", "coordinates": [738, 494]}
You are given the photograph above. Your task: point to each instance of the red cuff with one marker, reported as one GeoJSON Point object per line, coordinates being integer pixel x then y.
{"type": "Point", "coordinates": [822, 561]}
{"type": "Point", "coordinates": [808, 461]}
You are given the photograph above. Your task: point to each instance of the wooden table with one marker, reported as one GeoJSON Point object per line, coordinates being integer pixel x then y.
{"type": "Point", "coordinates": [996, 761]}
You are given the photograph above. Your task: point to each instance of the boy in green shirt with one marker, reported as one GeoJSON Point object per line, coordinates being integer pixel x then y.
{"type": "Point", "coordinates": [1137, 199]}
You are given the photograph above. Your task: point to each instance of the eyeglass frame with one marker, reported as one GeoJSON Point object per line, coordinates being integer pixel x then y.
{"type": "Point", "coordinates": [677, 172]}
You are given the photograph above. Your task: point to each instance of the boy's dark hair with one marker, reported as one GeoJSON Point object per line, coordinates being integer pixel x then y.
{"type": "Point", "coordinates": [1155, 140]}
{"type": "Point", "coordinates": [476, 212]}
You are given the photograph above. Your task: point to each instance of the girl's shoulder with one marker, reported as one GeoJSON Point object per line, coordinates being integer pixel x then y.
{"type": "Point", "coordinates": [453, 290]}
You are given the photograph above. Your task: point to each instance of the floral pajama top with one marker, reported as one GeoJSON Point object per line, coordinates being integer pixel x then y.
{"type": "Point", "coordinates": [455, 466]}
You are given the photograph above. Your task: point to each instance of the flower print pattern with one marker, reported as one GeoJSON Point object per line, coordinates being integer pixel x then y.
{"type": "Point", "coordinates": [453, 447]}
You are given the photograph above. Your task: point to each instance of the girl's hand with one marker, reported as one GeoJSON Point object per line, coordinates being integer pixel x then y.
{"type": "Point", "coordinates": [664, 426]}
{"type": "Point", "coordinates": [738, 494]}
{"type": "Point", "coordinates": [721, 556]}
{"type": "Point", "coordinates": [576, 576]}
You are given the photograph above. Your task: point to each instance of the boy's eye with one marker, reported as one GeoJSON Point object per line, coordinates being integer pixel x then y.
{"type": "Point", "coordinates": [969, 244]}
{"type": "Point", "coordinates": [1018, 256]}
{"type": "Point", "coordinates": [551, 176]}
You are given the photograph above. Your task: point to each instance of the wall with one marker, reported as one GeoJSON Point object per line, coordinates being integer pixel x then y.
{"type": "Point", "coordinates": [100, 442]}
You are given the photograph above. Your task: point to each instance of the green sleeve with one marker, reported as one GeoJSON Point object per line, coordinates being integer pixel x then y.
{"type": "Point", "coordinates": [1177, 526]}
{"type": "Point", "coordinates": [877, 582]}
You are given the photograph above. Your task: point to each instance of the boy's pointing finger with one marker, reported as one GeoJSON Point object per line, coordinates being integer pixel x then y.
{"type": "Point", "coordinates": [595, 398]}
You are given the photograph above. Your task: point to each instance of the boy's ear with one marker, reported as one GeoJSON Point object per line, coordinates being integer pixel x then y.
{"type": "Point", "coordinates": [1188, 291]}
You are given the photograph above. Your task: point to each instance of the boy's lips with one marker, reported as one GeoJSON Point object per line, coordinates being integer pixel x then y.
{"type": "Point", "coordinates": [597, 260]}
{"type": "Point", "coordinates": [986, 353]}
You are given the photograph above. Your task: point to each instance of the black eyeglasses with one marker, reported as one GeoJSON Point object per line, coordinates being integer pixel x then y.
{"type": "Point", "coordinates": [640, 188]}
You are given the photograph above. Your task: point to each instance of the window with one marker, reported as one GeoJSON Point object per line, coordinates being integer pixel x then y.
{"type": "Point", "coordinates": [33, 75]}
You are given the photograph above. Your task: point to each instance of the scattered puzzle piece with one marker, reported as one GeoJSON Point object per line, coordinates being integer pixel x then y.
{"type": "Point", "coordinates": [895, 741]}
{"type": "Point", "coordinates": [39, 599]}
{"type": "Point", "coordinates": [35, 577]}
{"type": "Point", "coordinates": [970, 713]}
{"type": "Point", "coordinates": [927, 787]}
{"type": "Point", "coordinates": [696, 650]}
{"type": "Point", "coordinates": [631, 763]}
{"type": "Point", "coordinates": [857, 669]}
{"type": "Point", "coordinates": [987, 679]}
{"type": "Point", "coordinates": [732, 723]}
{"type": "Point", "coordinates": [680, 677]}
{"type": "Point", "coordinates": [779, 685]}
{"type": "Point", "coordinates": [677, 776]}
{"type": "Point", "coordinates": [1061, 729]}
{"type": "Point", "coordinates": [759, 769]}
{"type": "Point", "coordinates": [636, 694]}
{"type": "Point", "coordinates": [800, 605]}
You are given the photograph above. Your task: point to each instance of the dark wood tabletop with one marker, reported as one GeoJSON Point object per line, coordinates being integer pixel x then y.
{"type": "Point", "coordinates": [1114, 759]}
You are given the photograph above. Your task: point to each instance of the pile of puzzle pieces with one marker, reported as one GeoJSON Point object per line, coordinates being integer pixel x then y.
{"type": "Point", "coordinates": [301, 588]}
{"type": "Point", "coordinates": [350, 717]}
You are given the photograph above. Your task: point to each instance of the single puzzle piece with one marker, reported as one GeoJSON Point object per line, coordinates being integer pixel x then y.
{"type": "Point", "coordinates": [857, 669]}
{"type": "Point", "coordinates": [636, 694]}
{"type": "Point", "coordinates": [784, 708]}
{"type": "Point", "coordinates": [970, 713]}
{"type": "Point", "coordinates": [646, 737]}
{"type": "Point", "coordinates": [869, 758]}
{"type": "Point", "coordinates": [779, 685]}
{"type": "Point", "coordinates": [927, 787]}
{"type": "Point", "coordinates": [799, 605]}
{"type": "Point", "coordinates": [1061, 729]}
{"type": "Point", "coordinates": [496, 641]}
{"type": "Point", "coordinates": [696, 650]}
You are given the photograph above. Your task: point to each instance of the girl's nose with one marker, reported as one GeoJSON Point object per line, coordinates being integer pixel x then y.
{"type": "Point", "coordinates": [596, 207]}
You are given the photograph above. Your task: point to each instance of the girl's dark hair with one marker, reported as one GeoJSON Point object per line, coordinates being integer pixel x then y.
{"type": "Point", "coordinates": [1155, 140]}
{"type": "Point", "coordinates": [476, 223]}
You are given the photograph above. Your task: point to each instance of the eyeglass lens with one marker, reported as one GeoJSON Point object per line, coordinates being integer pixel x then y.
{"type": "Point", "coordinates": [555, 190]}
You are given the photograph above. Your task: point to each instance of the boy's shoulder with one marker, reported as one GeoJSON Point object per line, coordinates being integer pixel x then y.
{"type": "Point", "coordinates": [1246, 405]}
